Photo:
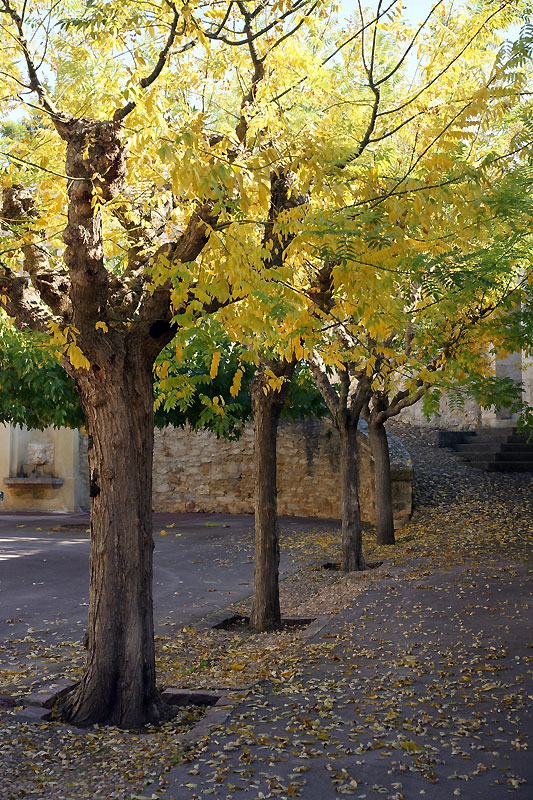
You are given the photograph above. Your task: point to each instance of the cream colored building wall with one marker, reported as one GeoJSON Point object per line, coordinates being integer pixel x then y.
{"type": "Point", "coordinates": [65, 465]}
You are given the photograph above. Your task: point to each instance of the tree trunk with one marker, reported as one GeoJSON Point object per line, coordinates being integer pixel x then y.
{"type": "Point", "coordinates": [267, 407]}
{"type": "Point", "coordinates": [118, 686]}
{"type": "Point", "coordinates": [383, 482]}
{"type": "Point", "coordinates": [352, 533]}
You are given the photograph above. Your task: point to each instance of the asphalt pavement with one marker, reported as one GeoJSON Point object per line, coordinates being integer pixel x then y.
{"type": "Point", "coordinates": [203, 563]}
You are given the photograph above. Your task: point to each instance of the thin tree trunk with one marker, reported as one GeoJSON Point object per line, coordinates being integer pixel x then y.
{"type": "Point", "coordinates": [352, 532]}
{"type": "Point", "coordinates": [267, 407]}
{"type": "Point", "coordinates": [383, 482]}
{"type": "Point", "coordinates": [118, 685]}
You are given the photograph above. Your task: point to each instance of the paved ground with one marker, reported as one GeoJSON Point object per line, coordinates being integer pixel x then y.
{"type": "Point", "coordinates": [423, 688]}
{"type": "Point", "coordinates": [203, 563]}
{"type": "Point", "coordinates": [420, 688]}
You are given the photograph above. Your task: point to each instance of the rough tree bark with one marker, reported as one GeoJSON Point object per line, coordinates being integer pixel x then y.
{"type": "Point", "coordinates": [345, 405]}
{"type": "Point", "coordinates": [267, 405]}
{"type": "Point", "coordinates": [118, 685]}
{"type": "Point", "coordinates": [379, 447]}
{"type": "Point", "coordinates": [352, 530]}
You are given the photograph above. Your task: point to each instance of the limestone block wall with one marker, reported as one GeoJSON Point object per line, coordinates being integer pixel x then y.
{"type": "Point", "coordinates": [198, 472]}
{"type": "Point", "coordinates": [518, 366]}
{"type": "Point", "coordinates": [466, 417]}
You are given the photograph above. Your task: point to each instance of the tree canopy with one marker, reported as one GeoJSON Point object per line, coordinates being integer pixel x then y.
{"type": "Point", "coordinates": [177, 160]}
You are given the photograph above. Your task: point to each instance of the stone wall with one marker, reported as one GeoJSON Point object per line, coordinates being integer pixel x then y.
{"type": "Point", "coordinates": [198, 472]}
{"type": "Point", "coordinates": [450, 417]}
{"type": "Point", "coordinates": [518, 366]}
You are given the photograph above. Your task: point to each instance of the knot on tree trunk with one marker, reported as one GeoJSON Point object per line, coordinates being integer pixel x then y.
{"type": "Point", "coordinates": [18, 203]}
{"type": "Point", "coordinates": [96, 152]}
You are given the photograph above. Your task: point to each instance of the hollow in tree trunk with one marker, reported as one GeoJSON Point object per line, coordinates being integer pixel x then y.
{"type": "Point", "coordinates": [352, 532]}
{"type": "Point", "coordinates": [267, 407]}
{"type": "Point", "coordinates": [383, 482]}
{"type": "Point", "coordinates": [118, 685]}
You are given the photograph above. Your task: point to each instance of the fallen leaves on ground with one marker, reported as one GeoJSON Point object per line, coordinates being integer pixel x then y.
{"type": "Point", "coordinates": [468, 522]}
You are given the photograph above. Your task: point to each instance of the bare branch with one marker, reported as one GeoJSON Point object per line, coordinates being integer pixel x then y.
{"type": "Point", "coordinates": [360, 396]}
{"type": "Point", "coordinates": [292, 30]}
{"type": "Point", "coordinates": [337, 50]}
{"type": "Point", "coordinates": [257, 76]}
{"type": "Point", "coordinates": [410, 45]}
{"type": "Point", "coordinates": [331, 398]}
{"type": "Point", "coordinates": [155, 315]}
{"type": "Point", "coordinates": [35, 84]}
{"type": "Point", "coordinates": [147, 81]}
{"type": "Point", "coordinates": [344, 393]}
{"type": "Point", "coordinates": [250, 16]}
{"type": "Point", "coordinates": [450, 63]}
{"type": "Point", "coordinates": [402, 400]}
{"type": "Point", "coordinates": [22, 302]}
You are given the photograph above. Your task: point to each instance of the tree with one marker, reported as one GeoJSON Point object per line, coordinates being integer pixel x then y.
{"type": "Point", "coordinates": [157, 140]}
{"type": "Point", "coordinates": [269, 389]}
{"type": "Point", "coordinates": [147, 181]}
{"type": "Point", "coordinates": [451, 314]}
{"type": "Point", "coordinates": [34, 389]}
{"type": "Point", "coordinates": [365, 273]}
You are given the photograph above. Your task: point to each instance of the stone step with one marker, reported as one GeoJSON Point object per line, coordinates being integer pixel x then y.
{"type": "Point", "coordinates": [510, 466]}
{"type": "Point", "coordinates": [479, 447]}
{"type": "Point", "coordinates": [476, 459]}
{"type": "Point", "coordinates": [515, 438]}
{"type": "Point", "coordinates": [517, 447]}
{"type": "Point", "coordinates": [501, 466]}
{"type": "Point", "coordinates": [510, 456]}
{"type": "Point", "coordinates": [493, 449]}
{"type": "Point", "coordinates": [521, 438]}
{"type": "Point", "coordinates": [507, 431]}
{"type": "Point", "coordinates": [513, 451]}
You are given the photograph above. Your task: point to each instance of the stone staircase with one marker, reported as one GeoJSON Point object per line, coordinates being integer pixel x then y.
{"type": "Point", "coordinates": [492, 449]}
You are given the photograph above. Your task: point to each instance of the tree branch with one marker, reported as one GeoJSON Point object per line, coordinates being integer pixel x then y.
{"type": "Point", "coordinates": [22, 302]}
{"type": "Point", "coordinates": [147, 81]}
{"type": "Point", "coordinates": [407, 400]}
{"type": "Point", "coordinates": [331, 398]}
{"type": "Point", "coordinates": [360, 396]}
{"type": "Point", "coordinates": [18, 208]}
{"type": "Point", "coordinates": [257, 76]}
{"type": "Point", "coordinates": [35, 84]}
{"type": "Point", "coordinates": [155, 315]}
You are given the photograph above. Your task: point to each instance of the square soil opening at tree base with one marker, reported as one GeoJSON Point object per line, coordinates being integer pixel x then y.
{"type": "Point", "coordinates": [239, 623]}
{"type": "Point", "coordinates": [42, 706]}
{"type": "Point", "coordinates": [336, 565]}
{"type": "Point", "coordinates": [189, 697]}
